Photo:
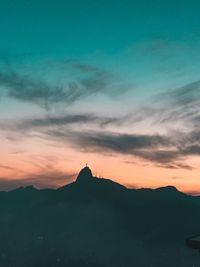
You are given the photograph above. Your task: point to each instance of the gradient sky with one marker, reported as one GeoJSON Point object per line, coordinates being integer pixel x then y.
{"type": "Point", "coordinates": [115, 84]}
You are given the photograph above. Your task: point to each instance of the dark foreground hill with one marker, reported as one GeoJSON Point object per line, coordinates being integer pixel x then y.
{"type": "Point", "coordinates": [96, 222]}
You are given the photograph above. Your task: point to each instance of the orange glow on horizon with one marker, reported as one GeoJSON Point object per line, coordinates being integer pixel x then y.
{"type": "Point", "coordinates": [136, 174]}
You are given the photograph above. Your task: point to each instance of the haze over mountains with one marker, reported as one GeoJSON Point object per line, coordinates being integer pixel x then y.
{"type": "Point", "coordinates": [97, 222]}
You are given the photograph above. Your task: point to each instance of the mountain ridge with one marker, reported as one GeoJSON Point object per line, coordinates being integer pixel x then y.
{"type": "Point", "coordinates": [97, 222]}
{"type": "Point", "coordinates": [94, 179]}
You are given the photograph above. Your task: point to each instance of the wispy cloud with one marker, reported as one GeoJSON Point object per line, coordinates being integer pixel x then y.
{"type": "Point", "coordinates": [63, 121]}
{"type": "Point", "coordinates": [91, 81]}
{"type": "Point", "coordinates": [6, 167]}
{"type": "Point", "coordinates": [168, 150]}
{"type": "Point", "coordinates": [181, 104]}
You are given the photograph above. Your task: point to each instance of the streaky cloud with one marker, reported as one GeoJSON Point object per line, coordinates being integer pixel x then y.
{"type": "Point", "coordinates": [161, 150]}
{"type": "Point", "coordinates": [168, 151]}
{"type": "Point", "coordinates": [29, 88]}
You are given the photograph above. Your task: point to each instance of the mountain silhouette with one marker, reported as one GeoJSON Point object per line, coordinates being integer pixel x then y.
{"type": "Point", "coordinates": [85, 175]}
{"type": "Point", "coordinates": [97, 222]}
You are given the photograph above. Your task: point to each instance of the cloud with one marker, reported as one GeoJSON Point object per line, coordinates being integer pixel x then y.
{"type": "Point", "coordinates": [185, 95]}
{"type": "Point", "coordinates": [122, 143]}
{"type": "Point", "coordinates": [41, 126]}
{"type": "Point", "coordinates": [22, 87]}
{"type": "Point", "coordinates": [168, 151]}
{"type": "Point", "coordinates": [176, 165]}
{"type": "Point", "coordinates": [53, 121]}
{"type": "Point", "coordinates": [191, 150]}
{"type": "Point", "coordinates": [6, 167]}
{"type": "Point", "coordinates": [162, 150]}
{"type": "Point", "coordinates": [66, 120]}
{"type": "Point", "coordinates": [154, 148]}
{"type": "Point", "coordinates": [82, 67]}
{"type": "Point", "coordinates": [181, 104]}
{"type": "Point", "coordinates": [90, 81]}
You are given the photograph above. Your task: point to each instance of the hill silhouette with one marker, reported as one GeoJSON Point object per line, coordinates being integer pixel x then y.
{"type": "Point", "coordinates": [97, 222]}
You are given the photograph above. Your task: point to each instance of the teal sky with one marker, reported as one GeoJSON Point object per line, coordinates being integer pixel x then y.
{"type": "Point", "coordinates": [79, 28]}
{"type": "Point", "coordinates": [124, 72]}
{"type": "Point", "coordinates": [137, 39]}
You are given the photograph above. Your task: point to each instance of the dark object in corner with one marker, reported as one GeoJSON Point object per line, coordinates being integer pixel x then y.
{"type": "Point", "coordinates": [193, 242]}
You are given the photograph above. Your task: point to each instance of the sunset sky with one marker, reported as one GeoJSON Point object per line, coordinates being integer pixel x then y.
{"type": "Point", "coordinates": [112, 83]}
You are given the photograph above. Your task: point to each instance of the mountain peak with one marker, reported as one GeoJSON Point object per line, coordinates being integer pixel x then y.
{"type": "Point", "coordinates": [84, 175]}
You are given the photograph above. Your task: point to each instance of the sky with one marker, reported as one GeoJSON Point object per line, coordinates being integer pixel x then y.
{"type": "Point", "coordinates": [114, 84]}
